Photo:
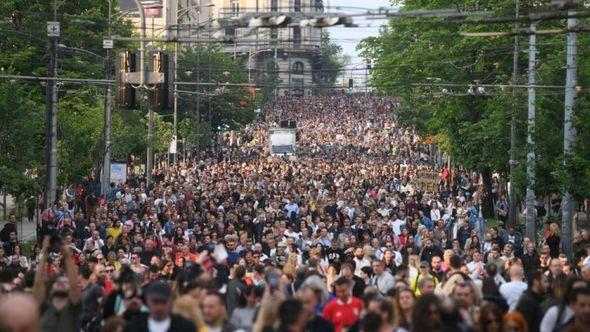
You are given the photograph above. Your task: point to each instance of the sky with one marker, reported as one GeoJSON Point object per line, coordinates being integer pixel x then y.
{"type": "Point", "coordinates": [348, 38]}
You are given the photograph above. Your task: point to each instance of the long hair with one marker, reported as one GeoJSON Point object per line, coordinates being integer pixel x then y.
{"type": "Point", "coordinates": [490, 308]}
{"type": "Point", "coordinates": [399, 319]}
{"type": "Point", "coordinates": [422, 315]}
{"type": "Point", "coordinates": [187, 307]}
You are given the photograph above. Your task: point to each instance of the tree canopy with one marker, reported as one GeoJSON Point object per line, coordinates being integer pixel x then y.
{"type": "Point", "coordinates": [437, 72]}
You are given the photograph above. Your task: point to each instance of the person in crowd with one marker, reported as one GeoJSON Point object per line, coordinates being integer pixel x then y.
{"type": "Point", "coordinates": [515, 322]}
{"type": "Point", "coordinates": [404, 303]}
{"type": "Point", "coordinates": [59, 300]}
{"type": "Point", "coordinates": [581, 306]}
{"type": "Point", "coordinates": [382, 280]}
{"type": "Point", "coordinates": [215, 312]}
{"type": "Point", "coordinates": [243, 316]}
{"type": "Point", "coordinates": [251, 240]}
{"type": "Point", "coordinates": [426, 315]}
{"type": "Point", "coordinates": [559, 315]}
{"type": "Point", "coordinates": [529, 304]}
{"type": "Point", "coordinates": [490, 318]}
{"type": "Point", "coordinates": [311, 300]}
{"type": "Point", "coordinates": [344, 310]}
{"type": "Point", "coordinates": [513, 289]}
{"type": "Point", "coordinates": [160, 317]}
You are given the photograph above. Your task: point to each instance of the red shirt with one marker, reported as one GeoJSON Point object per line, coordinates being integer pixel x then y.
{"type": "Point", "coordinates": [343, 314]}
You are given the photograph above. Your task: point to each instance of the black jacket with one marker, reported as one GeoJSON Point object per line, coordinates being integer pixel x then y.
{"type": "Point", "coordinates": [139, 323]}
{"type": "Point", "coordinates": [529, 305]}
{"type": "Point", "coordinates": [359, 287]}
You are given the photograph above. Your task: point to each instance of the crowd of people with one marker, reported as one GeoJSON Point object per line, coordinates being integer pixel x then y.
{"type": "Point", "coordinates": [342, 236]}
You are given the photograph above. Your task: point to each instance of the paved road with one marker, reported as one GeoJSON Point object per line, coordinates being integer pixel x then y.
{"type": "Point", "coordinates": [26, 230]}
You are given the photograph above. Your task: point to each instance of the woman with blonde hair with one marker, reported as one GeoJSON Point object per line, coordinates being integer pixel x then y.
{"type": "Point", "coordinates": [188, 308]}
{"type": "Point", "coordinates": [553, 240]}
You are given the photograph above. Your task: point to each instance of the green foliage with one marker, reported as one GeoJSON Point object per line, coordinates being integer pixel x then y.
{"type": "Point", "coordinates": [474, 128]}
{"type": "Point", "coordinates": [332, 62]}
{"type": "Point", "coordinates": [23, 48]}
{"type": "Point", "coordinates": [224, 107]}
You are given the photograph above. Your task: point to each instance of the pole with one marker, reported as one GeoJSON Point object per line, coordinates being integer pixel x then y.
{"type": "Point", "coordinates": [530, 192]}
{"type": "Point", "coordinates": [198, 131]}
{"type": "Point", "coordinates": [276, 65]}
{"type": "Point", "coordinates": [175, 137]}
{"type": "Point", "coordinates": [209, 78]}
{"type": "Point", "coordinates": [150, 149]}
{"type": "Point", "coordinates": [52, 103]}
{"type": "Point", "coordinates": [143, 69]}
{"type": "Point", "coordinates": [106, 171]}
{"type": "Point", "coordinates": [512, 162]}
{"type": "Point", "coordinates": [568, 129]}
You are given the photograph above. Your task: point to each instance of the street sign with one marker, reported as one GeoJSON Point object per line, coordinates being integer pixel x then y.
{"type": "Point", "coordinates": [135, 78]}
{"type": "Point", "coordinates": [107, 43]}
{"type": "Point", "coordinates": [52, 29]}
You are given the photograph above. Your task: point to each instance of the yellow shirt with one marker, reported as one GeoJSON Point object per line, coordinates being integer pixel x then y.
{"type": "Point", "coordinates": [416, 280]}
{"type": "Point", "coordinates": [114, 232]}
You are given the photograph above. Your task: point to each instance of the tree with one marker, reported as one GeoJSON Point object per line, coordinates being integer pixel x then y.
{"type": "Point", "coordinates": [23, 48]}
{"type": "Point", "coordinates": [329, 64]}
{"type": "Point", "coordinates": [223, 100]}
{"type": "Point", "coordinates": [472, 124]}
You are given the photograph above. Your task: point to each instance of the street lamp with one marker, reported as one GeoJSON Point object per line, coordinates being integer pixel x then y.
{"type": "Point", "coordinates": [250, 55]}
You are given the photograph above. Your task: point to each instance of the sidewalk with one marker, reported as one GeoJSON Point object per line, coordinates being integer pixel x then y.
{"type": "Point", "coordinates": [26, 230]}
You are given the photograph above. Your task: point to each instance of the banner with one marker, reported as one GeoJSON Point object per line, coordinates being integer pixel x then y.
{"type": "Point", "coordinates": [118, 173]}
{"type": "Point", "coordinates": [428, 181]}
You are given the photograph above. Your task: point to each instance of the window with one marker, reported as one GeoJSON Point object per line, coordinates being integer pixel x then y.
{"type": "Point", "coordinates": [296, 35]}
{"type": "Point", "coordinates": [230, 32]}
{"type": "Point", "coordinates": [235, 8]}
{"type": "Point", "coordinates": [274, 5]}
{"type": "Point", "coordinates": [297, 5]}
{"type": "Point", "coordinates": [297, 68]}
{"type": "Point", "coordinates": [298, 90]}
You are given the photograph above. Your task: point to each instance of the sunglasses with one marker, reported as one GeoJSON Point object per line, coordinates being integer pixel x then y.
{"type": "Point", "coordinates": [110, 270]}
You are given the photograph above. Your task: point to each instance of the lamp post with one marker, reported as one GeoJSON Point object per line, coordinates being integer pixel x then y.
{"type": "Point", "coordinates": [250, 55]}
{"type": "Point", "coordinates": [106, 165]}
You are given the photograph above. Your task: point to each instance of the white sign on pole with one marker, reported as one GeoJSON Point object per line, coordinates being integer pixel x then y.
{"type": "Point", "coordinates": [172, 148]}
{"type": "Point", "coordinates": [118, 173]}
{"type": "Point", "coordinates": [52, 29]}
{"type": "Point", "coordinates": [107, 43]}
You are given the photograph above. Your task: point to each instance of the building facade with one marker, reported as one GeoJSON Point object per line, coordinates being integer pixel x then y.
{"type": "Point", "coordinates": [286, 57]}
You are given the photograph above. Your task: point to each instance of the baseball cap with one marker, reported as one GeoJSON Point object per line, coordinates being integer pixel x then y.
{"type": "Point", "coordinates": [424, 264]}
{"type": "Point", "coordinates": [159, 291]}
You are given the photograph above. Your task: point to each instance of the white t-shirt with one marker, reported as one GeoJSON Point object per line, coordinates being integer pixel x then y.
{"type": "Point", "coordinates": [550, 319]}
{"type": "Point", "coordinates": [512, 291]}
{"type": "Point", "coordinates": [396, 225]}
{"type": "Point", "coordinates": [159, 326]}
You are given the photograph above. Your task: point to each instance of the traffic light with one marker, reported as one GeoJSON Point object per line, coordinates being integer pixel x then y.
{"type": "Point", "coordinates": [126, 94]}
{"type": "Point", "coordinates": [350, 85]}
{"type": "Point", "coordinates": [161, 64]}
{"type": "Point", "coordinates": [327, 21]}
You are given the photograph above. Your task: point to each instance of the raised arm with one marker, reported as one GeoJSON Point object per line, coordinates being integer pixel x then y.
{"type": "Point", "coordinates": [71, 271]}
{"type": "Point", "coordinates": [39, 285]}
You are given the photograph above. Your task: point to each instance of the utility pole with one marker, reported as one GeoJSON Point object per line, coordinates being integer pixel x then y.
{"type": "Point", "coordinates": [51, 102]}
{"type": "Point", "coordinates": [568, 129]}
{"type": "Point", "coordinates": [175, 95]}
{"type": "Point", "coordinates": [512, 162]}
{"type": "Point", "coordinates": [106, 170]}
{"type": "Point", "coordinates": [530, 167]}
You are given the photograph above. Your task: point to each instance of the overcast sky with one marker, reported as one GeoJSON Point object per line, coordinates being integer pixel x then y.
{"type": "Point", "coordinates": [350, 37]}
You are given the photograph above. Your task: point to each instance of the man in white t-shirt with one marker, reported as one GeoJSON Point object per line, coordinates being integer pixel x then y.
{"type": "Point", "coordinates": [396, 225]}
{"type": "Point", "coordinates": [512, 290]}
